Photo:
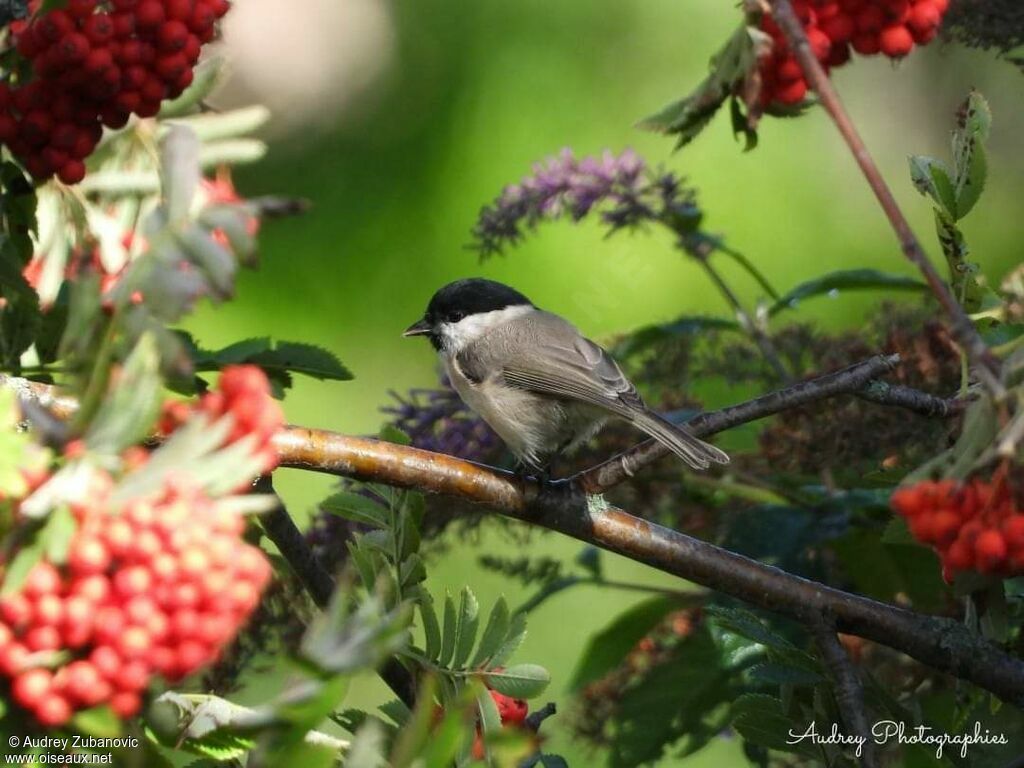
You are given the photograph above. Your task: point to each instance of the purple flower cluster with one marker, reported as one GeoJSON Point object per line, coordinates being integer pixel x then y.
{"type": "Point", "coordinates": [620, 186]}
{"type": "Point", "coordinates": [437, 420]}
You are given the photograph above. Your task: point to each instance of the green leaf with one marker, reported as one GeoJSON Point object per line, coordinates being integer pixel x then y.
{"type": "Point", "coordinates": [56, 536]}
{"type": "Point", "coordinates": [687, 325]}
{"type": "Point", "coordinates": [465, 635]}
{"type": "Point", "coordinates": [971, 165]}
{"type": "Point", "coordinates": [777, 673]}
{"type": "Point", "coordinates": [761, 720]}
{"type": "Point", "coordinates": [307, 359]}
{"type": "Point", "coordinates": [207, 75]}
{"type": "Point", "coordinates": [494, 633]}
{"type": "Point", "coordinates": [514, 638]}
{"type": "Point", "coordinates": [431, 628]}
{"type": "Point", "coordinates": [965, 276]}
{"type": "Point", "coordinates": [180, 171]}
{"type": "Point", "coordinates": [129, 411]}
{"type": "Point", "coordinates": [931, 177]}
{"type": "Point", "coordinates": [747, 625]}
{"type": "Point", "coordinates": [392, 434]}
{"type": "Point", "coordinates": [18, 569]}
{"type": "Point", "coordinates": [449, 633]}
{"type": "Point", "coordinates": [897, 533]}
{"type": "Point", "coordinates": [687, 117]}
{"type": "Point", "coordinates": [846, 280]}
{"type": "Point", "coordinates": [521, 681]}
{"type": "Point", "coordinates": [490, 719]}
{"type": "Point", "coordinates": [609, 647]}
{"type": "Point", "coordinates": [356, 507]}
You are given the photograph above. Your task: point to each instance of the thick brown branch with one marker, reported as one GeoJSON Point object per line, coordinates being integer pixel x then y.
{"type": "Point", "coordinates": [564, 506]}
{"type": "Point", "coordinates": [986, 364]}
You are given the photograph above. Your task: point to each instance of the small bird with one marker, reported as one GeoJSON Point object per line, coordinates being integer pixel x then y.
{"type": "Point", "coordinates": [535, 379]}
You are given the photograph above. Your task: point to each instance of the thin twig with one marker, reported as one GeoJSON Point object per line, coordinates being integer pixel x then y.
{"type": "Point", "coordinates": [610, 473]}
{"type": "Point", "coordinates": [922, 403]}
{"type": "Point", "coordinates": [848, 689]}
{"type": "Point", "coordinates": [749, 325]}
{"type": "Point", "coordinates": [987, 366]}
{"type": "Point", "coordinates": [318, 583]}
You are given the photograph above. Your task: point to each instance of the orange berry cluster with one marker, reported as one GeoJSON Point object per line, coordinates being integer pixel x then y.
{"type": "Point", "coordinates": [833, 27]}
{"type": "Point", "coordinates": [152, 587]}
{"type": "Point", "coordinates": [243, 392]}
{"type": "Point", "coordinates": [95, 63]}
{"type": "Point", "coordinates": [973, 526]}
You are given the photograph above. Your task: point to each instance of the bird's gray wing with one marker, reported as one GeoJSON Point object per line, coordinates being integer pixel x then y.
{"type": "Point", "coordinates": [556, 360]}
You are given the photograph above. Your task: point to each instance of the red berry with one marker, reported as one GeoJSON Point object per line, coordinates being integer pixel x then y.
{"type": "Point", "coordinates": [124, 25]}
{"type": "Point", "coordinates": [48, 610]}
{"type": "Point", "coordinates": [31, 687]}
{"type": "Point", "coordinates": [88, 556]}
{"type": "Point", "coordinates": [895, 42]}
{"type": "Point", "coordinates": [125, 704]}
{"type": "Point", "coordinates": [53, 711]}
{"type": "Point", "coordinates": [8, 128]}
{"type": "Point", "coordinates": [990, 551]}
{"type": "Point", "coordinates": [839, 28]}
{"type": "Point", "coordinates": [865, 43]}
{"type": "Point", "coordinates": [71, 172]}
{"type": "Point", "coordinates": [149, 14]}
{"type": "Point", "coordinates": [74, 48]}
{"type": "Point", "coordinates": [172, 36]}
{"type": "Point", "coordinates": [81, 9]}
{"type": "Point", "coordinates": [43, 638]}
{"type": "Point", "coordinates": [54, 25]}
{"type": "Point", "coordinates": [123, 5]}
{"type": "Point", "coordinates": [871, 18]}
{"type": "Point", "coordinates": [179, 10]}
{"type": "Point", "coordinates": [43, 579]}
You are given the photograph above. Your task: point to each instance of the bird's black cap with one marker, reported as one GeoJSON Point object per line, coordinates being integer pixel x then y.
{"type": "Point", "coordinates": [466, 297]}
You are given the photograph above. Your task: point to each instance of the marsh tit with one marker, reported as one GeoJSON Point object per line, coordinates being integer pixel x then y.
{"type": "Point", "coordinates": [535, 379]}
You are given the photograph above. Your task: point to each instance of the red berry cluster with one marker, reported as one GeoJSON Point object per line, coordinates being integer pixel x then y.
{"type": "Point", "coordinates": [974, 526]}
{"type": "Point", "coordinates": [156, 587]}
{"type": "Point", "coordinates": [95, 63]}
{"type": "Point", "coordinates": [833, 27]}
{"type": "Point", "coordinates": [243, 393]}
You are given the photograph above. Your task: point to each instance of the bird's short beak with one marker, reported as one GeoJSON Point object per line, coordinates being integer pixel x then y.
{"type": "Point", "coordinates": [419, 328]}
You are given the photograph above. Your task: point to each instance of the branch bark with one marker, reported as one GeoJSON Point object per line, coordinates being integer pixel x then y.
{"type": "Point", "coordinates": [568, 507]}
{"type": "Point", "coordinates": [987, 365]}
{"type": "Point", "coordinates": [849, 691]}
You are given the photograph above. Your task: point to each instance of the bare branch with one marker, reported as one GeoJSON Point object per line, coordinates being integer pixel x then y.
{"type": "Point", "coordinates": [987, 366]}
{"type": "Point", "coordinates": [849, 691]}
{"type": "Point", "coordinates": [847, 381]}
{"type": "Point", "coordinates": [318, 583]}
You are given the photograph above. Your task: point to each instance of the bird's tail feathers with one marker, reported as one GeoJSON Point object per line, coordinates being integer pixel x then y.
{"type": "Point", "coordinates": [689, 448]}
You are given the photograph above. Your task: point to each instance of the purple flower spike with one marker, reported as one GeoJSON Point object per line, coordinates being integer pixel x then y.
{"type": "Point", "coordinates": [562, 186]}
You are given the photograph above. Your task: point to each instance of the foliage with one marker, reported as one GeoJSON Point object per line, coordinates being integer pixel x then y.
{"type": "Point", "coordinates": [149, 499]}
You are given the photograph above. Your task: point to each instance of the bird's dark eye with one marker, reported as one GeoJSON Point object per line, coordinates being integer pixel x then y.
{"type": "Point", "coordinates": [454, 316]}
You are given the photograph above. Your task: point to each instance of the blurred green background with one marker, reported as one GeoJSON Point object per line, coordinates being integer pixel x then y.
{"type": "Point", "coordinates": [469, 95]}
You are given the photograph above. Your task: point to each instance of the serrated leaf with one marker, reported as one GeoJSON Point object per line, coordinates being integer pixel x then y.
{"type": "Point", "coordinates": [431, 628]}
{"type": "Point", "coordinates": [364, 565]}
{"type": "Point", "coordinates": [784, 674]}
{"type": "Point", "coordinates": [687, 117]}
{"type": "Point", "coordinates": [468, 622]}
{"type": "Point", "coordinates": [846, 280]}
{"type": "Point", "coordinates": [969, 157]}
{"type": "Point", "coordinates": [931, 177]}
{"type": "Point", "coordinates": [606, 649]}
{"type": "Point", "coordinates": [412, 571]}
{"type": "Point", "coordinates": [307, 359]}
{"type": "Point", "coordinates": [356, 507]}
{"type": "Point", "coordinates": [965, 276]}
{"type": "Point", "coordinates": [494, 633]}
{"type": "Point", "coordinates": [761, 720]}
{"type": "Point", "coordinates": [514, 638]}
{"type": "Point", "coordinates": [521, 681]}
{"type": "Point", "coordinates": [747, 625]}
{"type": "Point", "coordinates": [687, 325]}
{"type": "Point", "coordinates": [129, 411]}
{"type": "Point", "coordinates": [392, 434]}
{"type": "Point", "coordinates": [449, 632]}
